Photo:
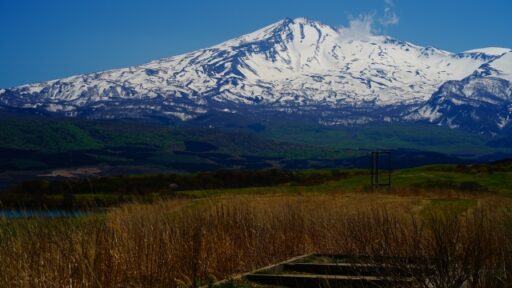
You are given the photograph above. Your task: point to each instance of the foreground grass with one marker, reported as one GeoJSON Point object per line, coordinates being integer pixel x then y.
{"type": "Point", "coordinates": [187, 242]}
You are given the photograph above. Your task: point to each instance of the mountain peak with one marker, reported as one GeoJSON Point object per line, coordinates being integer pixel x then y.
{"type": "Point", "coordinates": [294, 65]}
{"type": "Point", "coordinates": [286, 29]}
{"type": "Point", "coordinates": [304, 20]}
{"type": "Point", "coordinates": [297, 20]}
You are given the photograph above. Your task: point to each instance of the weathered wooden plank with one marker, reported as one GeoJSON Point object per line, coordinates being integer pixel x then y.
{"type": "Point", "coordinates": [341, 281]}
{"type": "Point", "coordinates": [362, 269]}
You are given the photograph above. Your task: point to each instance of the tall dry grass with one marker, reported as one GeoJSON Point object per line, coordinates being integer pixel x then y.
{"type": "Point", "coordinates": [186, 242]}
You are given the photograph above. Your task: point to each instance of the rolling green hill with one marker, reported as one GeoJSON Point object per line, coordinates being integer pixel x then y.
{"type": "Point", "coordinates": [42, 143]}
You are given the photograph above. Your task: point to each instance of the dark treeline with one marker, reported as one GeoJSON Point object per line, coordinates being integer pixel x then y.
{"type": "Point", "coordinates": [168, 183]}
{"type": "Point", "coordinates": [91, 193]}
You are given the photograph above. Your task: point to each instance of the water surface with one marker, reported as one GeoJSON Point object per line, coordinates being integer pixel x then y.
{"type": "Point", "coordinates": [44, 214]}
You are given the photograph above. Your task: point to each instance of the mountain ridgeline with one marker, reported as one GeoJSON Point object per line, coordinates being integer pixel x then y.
{"type": "Point", "coordinates": [295, 69]}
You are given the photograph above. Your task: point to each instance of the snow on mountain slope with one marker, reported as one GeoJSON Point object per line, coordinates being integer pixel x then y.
{"type": "Point", "coordinates": [292, 62]}
{"type": "Point", "coordinates": [481, 102]}
{"type": "Point", "coordinates": [495, 51]}
{"type": "Point", "coordinates": [500, 67]}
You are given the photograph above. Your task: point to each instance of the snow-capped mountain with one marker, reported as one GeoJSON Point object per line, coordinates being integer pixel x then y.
{"type": "Point", "coordinates": [295, 66]}
{"type": "Point", "coordinates": [481, 102]}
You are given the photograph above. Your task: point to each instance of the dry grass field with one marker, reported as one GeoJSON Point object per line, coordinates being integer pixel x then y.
{"type": "Point", "coordinates": [188, 242]}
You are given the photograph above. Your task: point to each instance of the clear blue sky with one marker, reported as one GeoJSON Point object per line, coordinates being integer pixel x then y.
{"type": "Point", "coordinates": [43, 40]}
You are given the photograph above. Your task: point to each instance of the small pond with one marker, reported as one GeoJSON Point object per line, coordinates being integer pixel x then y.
{"type": "Point", "coordinates": [45, 214]}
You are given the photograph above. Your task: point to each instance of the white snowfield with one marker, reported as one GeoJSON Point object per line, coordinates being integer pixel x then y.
{"type": "Point", "coordinates": [495, 51]}
{"type": "Point", "coordinates": [292, 62]}
{"type": "Point", "coordinates": [502, 67]}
